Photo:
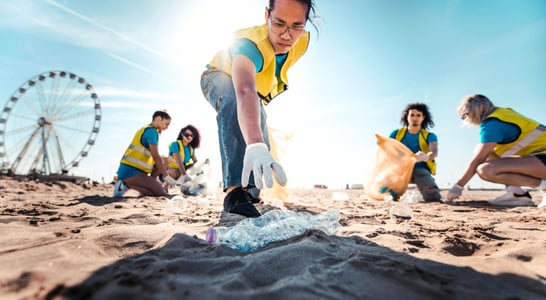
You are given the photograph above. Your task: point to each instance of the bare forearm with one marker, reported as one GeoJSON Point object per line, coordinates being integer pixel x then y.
{"type": "Point", "coordinates": [179, 163]}
{"type": "Point", "coordinates": [248, 115]}
{"type": "Point", "coordinates": [158, 160]}
{"type": "Point", "coordinates": [468, 174]}
{"type": "Point", "coordinates": [481, 154]}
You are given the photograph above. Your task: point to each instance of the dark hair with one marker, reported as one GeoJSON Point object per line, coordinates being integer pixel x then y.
{"type": "Point", "coordinates": [311, 15]}
{"type": "Point", "coordinates": [427, 122]}
{"type": "Point", "coordinates": [196, 136]}
{"type": "Point", "coordinates": [161, 113]}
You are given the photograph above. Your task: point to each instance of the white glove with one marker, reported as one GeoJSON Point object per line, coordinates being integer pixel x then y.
{"type": "Point", "coordinates": [455, 192]}
{"type": "Point", "coordinates": [259, 160]}
{"type": "Point", "coordinates": [422, 156]}
{"type": "Point", "coordinates": [170, 180]}
{"type": "Point", "coordinates": [186, 178]}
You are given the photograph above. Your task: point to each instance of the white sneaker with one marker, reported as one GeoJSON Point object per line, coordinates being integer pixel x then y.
{"type": "Point", "coordinates": [543, 203]}
{"type": "Point", "coordinates": [512, 200]}
{"type": "Point", "coordinates": [120, 188]}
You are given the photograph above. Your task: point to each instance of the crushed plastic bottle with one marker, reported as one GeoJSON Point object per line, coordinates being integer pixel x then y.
{"type": "Point", "coordinates": [275, 225]}
{"type": "Point", "coordinates": [412, 197]}
{"type": "Point", "coordinates": [176, 204]}
{"type": "Point", "coordinates": [401, 211]}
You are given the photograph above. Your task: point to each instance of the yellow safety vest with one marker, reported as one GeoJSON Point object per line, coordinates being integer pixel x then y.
{"type": "Point", "coordinates": [532, 139]}
{"type": "Point", "coordinates": [137, 155]}
{"type": "Point", "coordinates": [268, 85]}
{"type": "Point", "coordinates": [423, 146]}
{"type": "Point", "coordinates": [172, 160]}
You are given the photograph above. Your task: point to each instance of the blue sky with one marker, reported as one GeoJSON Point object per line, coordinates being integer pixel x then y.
{"type": "Point", "coordinates": [370, 60]}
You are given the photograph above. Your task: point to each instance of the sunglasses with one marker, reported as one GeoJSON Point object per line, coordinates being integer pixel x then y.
{"type": "Point", "coordinates": [188, 135]}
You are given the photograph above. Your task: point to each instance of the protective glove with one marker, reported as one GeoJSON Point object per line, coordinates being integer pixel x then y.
{"type": "Point", "coordinates": [186, 178]}
{"type": "Point", "coordinates": [259, 160]}
{"type": "Point", "coordinates": [455, 192]}
{"type": "Point", "coordinates": [422, 156]}
{"type": "Point", "coordinates": [183, 179]}
{"type": "Point", "coordinates": [170, 180]}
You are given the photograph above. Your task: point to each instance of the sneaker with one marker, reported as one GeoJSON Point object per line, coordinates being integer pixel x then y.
{"type": "Point", "coordinates": [511, 199]}
{"type": "Point", "coordinates": [543, 203]}
{"type": "Point", "coordinates": [239, 201]}
{"type": "Point", "coordinates": [254, 194]}
{"type": "Point", "coordinates": [120, 188]}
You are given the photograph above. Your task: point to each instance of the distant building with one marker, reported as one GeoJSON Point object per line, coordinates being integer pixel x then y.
{"type": "Point", "coordinates": [355, 186]}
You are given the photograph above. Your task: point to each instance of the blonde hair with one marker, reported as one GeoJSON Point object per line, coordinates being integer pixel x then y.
{"type": "Point", "coordinates": [476, 107]}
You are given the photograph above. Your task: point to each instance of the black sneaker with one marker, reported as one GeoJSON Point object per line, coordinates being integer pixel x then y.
{"type": "Point", "coordinates": [239, 201]}
{"type": "Point", "coordinates": [254, 193]}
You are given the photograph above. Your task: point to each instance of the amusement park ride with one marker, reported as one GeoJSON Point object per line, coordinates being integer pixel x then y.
{"type": "Point", "coordinates": [48, 126]}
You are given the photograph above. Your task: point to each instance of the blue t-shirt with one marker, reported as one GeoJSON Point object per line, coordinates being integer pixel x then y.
{"type": "Point", "coordinates": [149, 137]}
{"type": "Point", "coordinates": [175, 148]}
{"type": "Point", "coordinates": [248, 48]}
{"type": "Point", "coordinates": [497, 131]}
{"type": "Point", "coordinates": [412, 142]}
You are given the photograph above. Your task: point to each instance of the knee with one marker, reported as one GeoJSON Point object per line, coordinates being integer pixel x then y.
{"type": "Point", "coordinates": [485, 171]}
{"type": "Point", "coordinates": [431, 193]}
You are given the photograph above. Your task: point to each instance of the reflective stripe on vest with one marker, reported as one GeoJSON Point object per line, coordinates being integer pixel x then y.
{"type": "Point", "coordinates": [172, 161]}
{"type": "Point", "coordinates": [531, 139]}
{"type": "Point", "coordinates": [533, 135]}
{"type": "Point", "coordinates": [137, 155]}
{"type": "Point", "coordinates": [137, 162]}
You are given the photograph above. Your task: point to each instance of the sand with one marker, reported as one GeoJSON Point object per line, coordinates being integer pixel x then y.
{"type": "Point", "coordinates": [61, 240]}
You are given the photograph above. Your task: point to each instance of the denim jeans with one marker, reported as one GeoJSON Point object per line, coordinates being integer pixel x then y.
{"type": "Point", "coordinates": [217, 87]}
{"type": "Point", "coordinates": [426, 184]}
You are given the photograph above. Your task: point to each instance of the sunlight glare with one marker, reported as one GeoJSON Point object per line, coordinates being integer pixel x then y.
{"type": "Point", "coordinates": [209, 26]}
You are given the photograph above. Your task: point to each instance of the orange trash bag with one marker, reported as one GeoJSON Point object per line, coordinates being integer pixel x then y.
{"type": "Point", "coordinates": [391, 171]}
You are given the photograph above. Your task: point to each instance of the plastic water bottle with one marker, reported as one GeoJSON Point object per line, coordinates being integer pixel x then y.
{"type": "Point", "coordinates": [275, 225]}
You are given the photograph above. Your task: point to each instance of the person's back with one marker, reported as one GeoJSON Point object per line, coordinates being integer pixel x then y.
{"type": "Point", "coordinates": [512, 151]}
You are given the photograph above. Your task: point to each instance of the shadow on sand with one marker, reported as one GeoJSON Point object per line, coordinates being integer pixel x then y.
{"type": "Point", "coordinates": [309, 266]}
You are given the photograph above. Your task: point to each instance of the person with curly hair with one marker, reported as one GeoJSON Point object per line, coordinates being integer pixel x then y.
{"type": "Point", "coordinates": [182, 153]}
{"type": "Point", "coordinates": [416, 120]}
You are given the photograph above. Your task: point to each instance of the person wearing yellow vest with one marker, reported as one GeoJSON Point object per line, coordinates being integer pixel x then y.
{"type": "Point", "coordinates": [512, 152]}
{"type": "Point", "coordinates": [416, 119]}
{"type": "Point", "coordinates": [238, 82]}
{"type": "Point", "coordinates": [141, 162]}
{"type": "Point", "coordinates": [182, 153]}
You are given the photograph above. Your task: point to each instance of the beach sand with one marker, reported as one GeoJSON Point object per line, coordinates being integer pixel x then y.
{"type": "Point", "coordinates": [61, 240]}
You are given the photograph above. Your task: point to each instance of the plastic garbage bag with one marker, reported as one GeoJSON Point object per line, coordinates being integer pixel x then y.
{"type": "Point", "coordinates": [391, 171]}
{"type": "Point", "coordinates": [200, 177]}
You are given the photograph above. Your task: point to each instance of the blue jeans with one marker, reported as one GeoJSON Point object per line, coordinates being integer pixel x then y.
{"type": "Point", "coordinates": [217, 87]}
{"type": "Point", "coordinates": [426, 184]}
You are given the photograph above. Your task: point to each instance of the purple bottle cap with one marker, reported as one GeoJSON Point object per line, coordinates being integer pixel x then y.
{"type": "Point", "coordinates": [210, 236]}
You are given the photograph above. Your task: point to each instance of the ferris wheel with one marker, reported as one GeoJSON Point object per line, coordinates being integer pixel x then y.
{"type": "Point", "coordinates": [49, 124]}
